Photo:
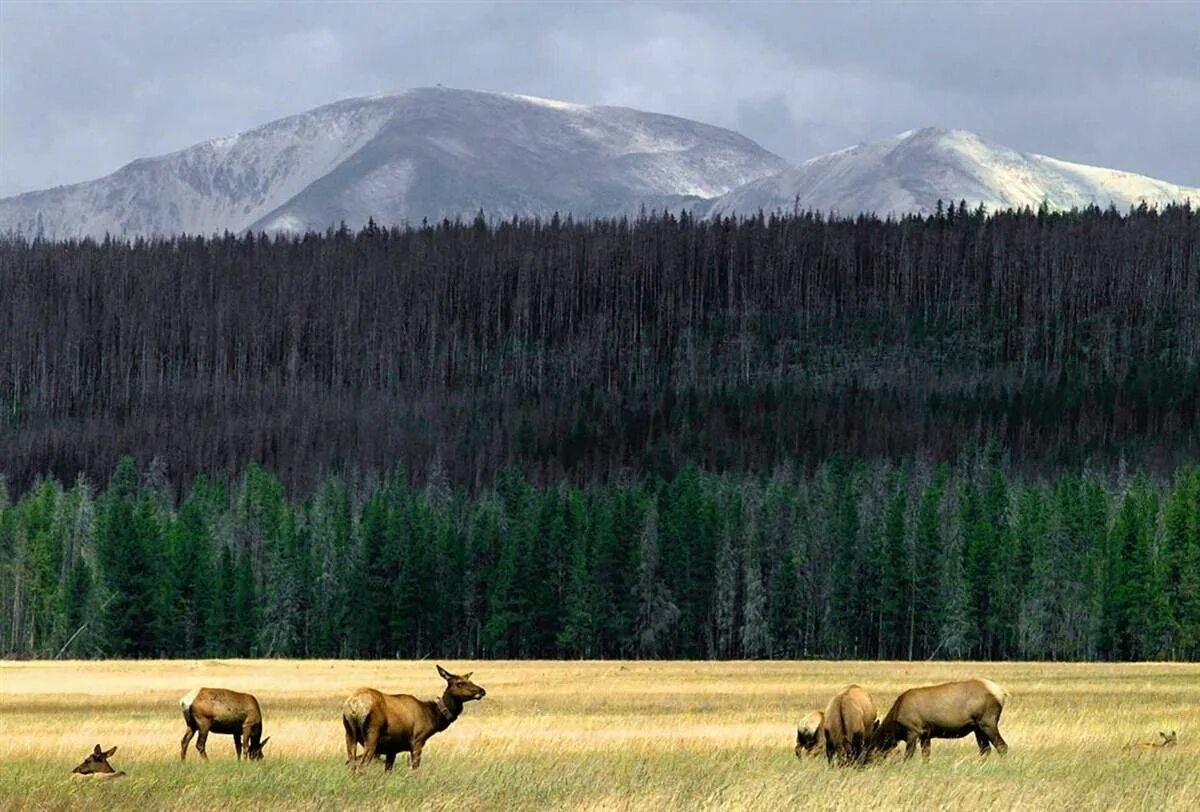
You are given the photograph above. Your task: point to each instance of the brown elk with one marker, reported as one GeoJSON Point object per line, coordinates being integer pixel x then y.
{"type": "Point", "coordinates": [1164, 740]}
{"type": "Point", "coordinates": [948, 711]}
{"type": "Point", "coordinates": [96, 766]}
{"type": "Point", "coordinates": [850, 719]}
{"type": "Point", "coordinates": [216, 710]}
{"type": "Point", "coordinates": [808, 734]}
{"type": "Point", "coordinates": [387, 724]}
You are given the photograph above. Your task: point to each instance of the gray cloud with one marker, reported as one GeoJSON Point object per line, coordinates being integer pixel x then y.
{"type": "Point", "coordinates": [87, 87]}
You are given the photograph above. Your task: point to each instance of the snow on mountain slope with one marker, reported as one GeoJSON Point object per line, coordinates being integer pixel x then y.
{"type": "Point", "coordinates": [913, 170]}
{"type": "Point", "coordinates": [431, 152]}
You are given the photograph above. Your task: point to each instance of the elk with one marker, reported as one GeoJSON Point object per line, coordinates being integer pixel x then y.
{"type": "Point", "coordinates": [850, 719]}
{"type": "Point", "coordinates": [808, 734]}
{"type": "Point", "coordinates": [96, 766]}
{"type": "Point", "coordinates": [1164, 740]}
{"type": "Point", "coordinates": [388, 724]}
{"type": "Point", "coordinates": [947, 711]}
{"type": "Point", "coordinates": [216, 710]}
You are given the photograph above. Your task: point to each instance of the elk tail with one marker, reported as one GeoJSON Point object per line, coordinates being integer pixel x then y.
{"type": "Point", "coordinates": [1002, 696]}
{"type": "Point", "coordinates": [185, 705]}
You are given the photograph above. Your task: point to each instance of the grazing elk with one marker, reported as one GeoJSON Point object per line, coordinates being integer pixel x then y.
{"type": "Point", "coordinates": [948, 711]}
{"type": "Point", "coordinates": [388, 724]}
{"type": "Point", "coordinates": [216, 710]}
{"type": "Point", "coordinates": [850, 719]}
{"type": "Point", "coordinates": [96, 766]}
{"type": "Point", "coordinates": [808, 734]}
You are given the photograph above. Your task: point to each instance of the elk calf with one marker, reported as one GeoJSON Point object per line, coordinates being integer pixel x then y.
{"type": "Point", "coordinates": [948, 711]}
{"type": "Point", "coordinates": [216, 710]}
{"type": "Point", "coordinates": [1164, 740]}
{"type": "Point", "coordinates": [388, 724]}
{"type": "Point", "coordinates": [850, 719]}
{"type": "Point", "coordinates": [96, 766]}
{"type": "Point", "coordinates": [808, 734]}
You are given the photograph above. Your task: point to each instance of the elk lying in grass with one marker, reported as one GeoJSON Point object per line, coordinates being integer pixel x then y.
{"type": "Point", "coordinates": [388, 724]}
{"type": "Point", "coordinates": [849, 720]}
{"type": "Point", "coordinates": [948, 711]}
{"type": "Point", "coordinates": [216, 710]}
{"type": "Point", "coordinates": [96, 766]}
{"type": "Point", "coordinates": [1164, 740]}
{"type": "Point", "coordinates": [808, 734]}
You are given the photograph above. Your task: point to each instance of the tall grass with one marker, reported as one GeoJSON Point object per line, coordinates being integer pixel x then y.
{"type": "Point", "coordinates": [597, 735]}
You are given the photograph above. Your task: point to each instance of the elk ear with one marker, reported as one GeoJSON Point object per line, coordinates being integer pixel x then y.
{"type": "Point", "coordinates": [97, 751]}
{"type": "Point", "coordinates": [444, 674]}
{"type": "Point", "coordinates": [467, 675]}
{"type": "Point", "coordinates": [108, 753]}
{"type": "Point", "coordinates": [263, 743]}
{"type": "Point", "coordinates": [875, 726]}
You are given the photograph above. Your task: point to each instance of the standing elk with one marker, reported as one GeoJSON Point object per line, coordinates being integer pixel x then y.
{"type": "Point", "coordinates": [216, 710]}
{"type": "Point", "coordinates": [808, 734]}
{"type": "Point", "coordinates": [388, 724]}
{"type": "Point", "coordinates": [850, 719]}
{"type": "Point", "coordinates": [947, 711]}
{"type": "Point", "coordinates": [96, 766]}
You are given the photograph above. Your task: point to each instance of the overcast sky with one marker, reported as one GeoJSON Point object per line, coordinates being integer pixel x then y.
{"type": "Point", "coordinates": [88, 87]}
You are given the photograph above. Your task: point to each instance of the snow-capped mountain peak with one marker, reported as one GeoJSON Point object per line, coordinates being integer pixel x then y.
{"type": "Point", "coordinates": [422, 153]}
{"type": "Point", "coordinates": [911, 171]}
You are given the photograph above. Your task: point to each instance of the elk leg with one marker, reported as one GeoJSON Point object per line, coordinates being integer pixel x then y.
{"type": "Point", "coordinates": [981, 739]}
{"type": "Point", "coordinates": [416, 756]}
{"type": "Point", "coordinates": [925, 747]}
{"type": "Point", "coordinates": [202, 742]}
{"type": "Point", "coordinates": [910, 746]}
{"type": "Point", "coordinates": [389, 761]}
{"type": "Point", "coordinates": [183, 745]}
{"type": "Point", "coordinates": [369, 746]}
{"type": "Point", "coordinates": [237, 745]}
{"type": "Point", "coordinates": [351, 744]}
{"type": "Point", "coordinates": [993, 733]}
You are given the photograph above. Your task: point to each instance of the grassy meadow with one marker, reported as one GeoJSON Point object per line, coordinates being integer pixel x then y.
{"type": "Point", "coordinates": [596, 735]}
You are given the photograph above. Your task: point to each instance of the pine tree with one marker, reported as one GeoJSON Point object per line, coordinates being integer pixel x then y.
{"type": "Point", "coordinates": [657, 611]}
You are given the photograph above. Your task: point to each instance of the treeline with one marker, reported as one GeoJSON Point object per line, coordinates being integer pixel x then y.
{"type": "Point", "coordinates": [855, 560]}
{"type": "Point", "coordinates": [588, 352]}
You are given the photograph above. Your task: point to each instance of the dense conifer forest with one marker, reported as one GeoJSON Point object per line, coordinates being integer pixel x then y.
{"type": "Point", "coordinates": [961, 435]}
{"type": "Point", "coordinates": [586, 351]}
{"type": "Point", "coordinates": [850, 561]}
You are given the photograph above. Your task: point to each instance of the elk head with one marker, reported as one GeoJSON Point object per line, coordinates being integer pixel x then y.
{"type": "Point", "coordinates": [1167, 740]}
{"type": "Point", "coordinates": [254, 752]}
{"type": "Point", "coordinates": [97, 763]}
{"type": "Point", "coordinates": [461, 687]}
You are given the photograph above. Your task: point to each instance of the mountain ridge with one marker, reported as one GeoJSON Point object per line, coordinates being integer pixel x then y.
{"type": "Point", "coordinates": [911, 171]}
{"type": "Point", "coordinates": [405, 156]}
{"type": "Point", "coordinates": [429, 153]}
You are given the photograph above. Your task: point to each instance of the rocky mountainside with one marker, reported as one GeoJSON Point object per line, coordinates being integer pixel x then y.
{"type": "Point", "coordinates": [913, 170]}
{"type": "Point", "coordinates": [425, 153]}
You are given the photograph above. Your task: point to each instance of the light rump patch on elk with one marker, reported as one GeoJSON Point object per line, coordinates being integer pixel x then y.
{"type": "Point", "coordinates": [850, 719]}
{"type": "Point", "coordinates": [217, 710]}
{"type": "Point", "coordinates": [947, 711]}
{"type": "Point", "coordinates": [387, 724]}
{"type": "Point", "coordinates": [808, 734]}
{"type": "Point", "coordinates": [96, 766]}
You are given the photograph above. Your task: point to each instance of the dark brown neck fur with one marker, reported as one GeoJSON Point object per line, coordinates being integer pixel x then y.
{"type": "Point", "coordinates": [446, 710]}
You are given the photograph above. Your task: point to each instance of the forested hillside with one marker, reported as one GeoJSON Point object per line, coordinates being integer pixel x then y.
{"type": "Point", "coordinates": [583, 351]}
{"type": "Point", "coordinates": [952, 436]}
{"type": "Point", "coordinates": [853, 560]}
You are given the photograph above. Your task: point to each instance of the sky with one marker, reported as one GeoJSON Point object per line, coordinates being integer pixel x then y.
{"type": "Point", "coordinates": [86, 87]}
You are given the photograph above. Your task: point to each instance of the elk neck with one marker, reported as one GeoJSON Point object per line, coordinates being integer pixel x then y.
{"type": "Point", "coordinates": [447, 708]}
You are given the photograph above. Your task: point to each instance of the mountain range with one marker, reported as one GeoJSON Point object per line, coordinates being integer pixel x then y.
{"type": "Point", "coordinates": [431, 153]}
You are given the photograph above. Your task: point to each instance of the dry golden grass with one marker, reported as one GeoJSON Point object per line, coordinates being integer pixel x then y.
{"type": "Point", "coordinates": [597, 735]}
